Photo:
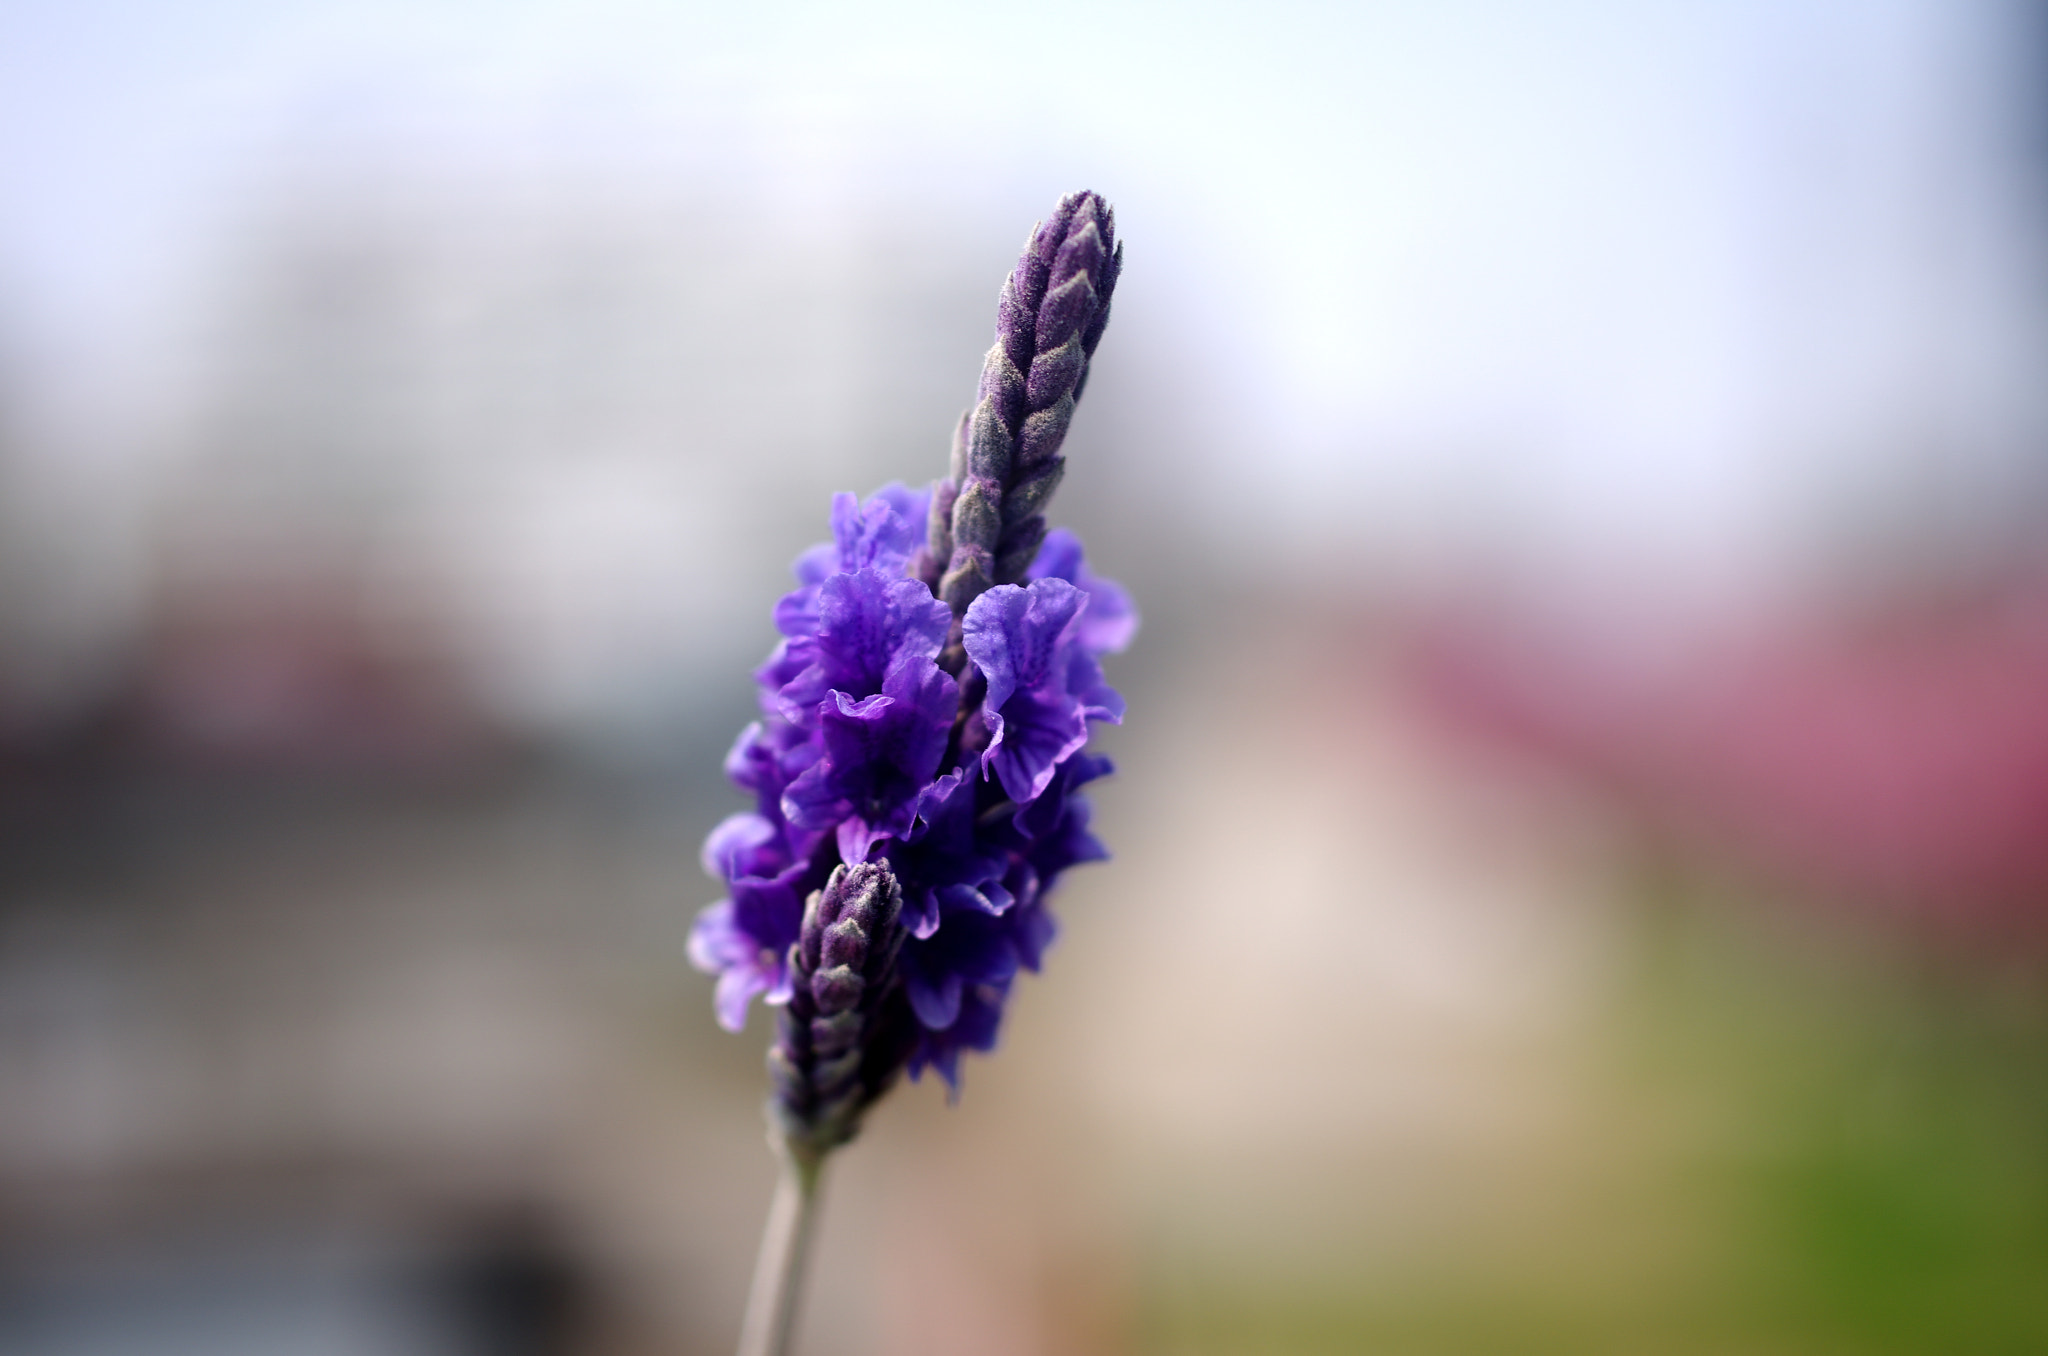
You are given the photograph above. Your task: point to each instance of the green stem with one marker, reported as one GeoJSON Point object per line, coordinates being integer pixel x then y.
{"type": "Point", "coordinates": [778, 1271]}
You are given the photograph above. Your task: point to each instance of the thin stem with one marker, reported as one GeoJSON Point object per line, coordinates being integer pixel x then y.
{"type": "Point", "coordinates": [779, 1270]}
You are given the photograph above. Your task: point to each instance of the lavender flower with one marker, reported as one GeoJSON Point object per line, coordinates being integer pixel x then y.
{"type": "Point", "coordinates": [1041, 685]}
{"type": "Point", "coordinates": [917, 767]}
{"type": "Point", "coordinates": [916, 773]}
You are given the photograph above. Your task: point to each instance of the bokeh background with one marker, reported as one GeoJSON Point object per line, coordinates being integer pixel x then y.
{"type": "Point", "coordinates": [1582, 826]}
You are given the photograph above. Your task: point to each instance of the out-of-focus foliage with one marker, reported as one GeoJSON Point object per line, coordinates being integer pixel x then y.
{"type": "Point", "coordinates": [1807, 1141]}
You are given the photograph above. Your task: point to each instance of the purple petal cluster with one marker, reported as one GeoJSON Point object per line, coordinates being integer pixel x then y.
{"type": "Point", "coordinates": [965, 789]}
{"type": "Point", "coordinates": [918, 765]}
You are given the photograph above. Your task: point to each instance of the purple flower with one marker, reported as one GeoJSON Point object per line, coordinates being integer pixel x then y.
{"type": "Point", "coordinates": [977, 1021]}
{"type": "Point", "coordinates": [970, 948]}
{"type": "Point", "coordinates": [1043, 684]}
{"type": "Point", "coordinates": [1111, 619]}
{"type": "Point", "coordinates": [866, 622]}
{"type": "Point", "coordinates": [947, 861]}
{"type": "Point", "coordinates": [1051, 833]}
{"type": "Point", "coordinates": [766, 758]}
{"type": "Point", "coordinates": [915, 774]}
{"type": "Point", "coordinates": [744, 966]}
{"type": "Point", "coordinates": [744, 844]}
{"type": "Point", "coordinates": [880, 753]}
{"type": "Point", "coordinates": [881, 534]}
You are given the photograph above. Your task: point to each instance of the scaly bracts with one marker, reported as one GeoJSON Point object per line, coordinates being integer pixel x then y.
{"type": "Point", "coordinates": [987, 519]}
{"type": "Point", "coordinates": [840, 1039]}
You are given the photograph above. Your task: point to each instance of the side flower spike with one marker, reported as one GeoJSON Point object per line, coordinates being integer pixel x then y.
{"type": "Point", "coordinates": [835, 1047]}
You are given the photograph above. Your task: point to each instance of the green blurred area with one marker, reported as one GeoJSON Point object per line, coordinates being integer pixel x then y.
{"type": "Point", "coordinates": [1818, 1134]}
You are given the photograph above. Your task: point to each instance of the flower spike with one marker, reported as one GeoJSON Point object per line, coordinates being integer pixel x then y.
{"type": "Point", "coordinates": [831, 1060]}
{"type": "Point", "coordinates": [988, 518]}
{"type": "Point", "coordinates": [917, 767]}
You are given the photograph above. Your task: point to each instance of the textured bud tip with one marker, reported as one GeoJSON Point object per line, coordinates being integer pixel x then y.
{"type": "Point", "coordinates": [832, 1054]}
{"type": "Point", "coordinates": [1050, 317]}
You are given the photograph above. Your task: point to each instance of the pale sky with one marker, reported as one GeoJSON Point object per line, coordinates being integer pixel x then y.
{"type": "Point", "coordinates": [1649, 275]}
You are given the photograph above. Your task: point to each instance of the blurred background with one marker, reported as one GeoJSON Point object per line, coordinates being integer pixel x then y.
{"type": "Point", "coordinates": [1582, 826]}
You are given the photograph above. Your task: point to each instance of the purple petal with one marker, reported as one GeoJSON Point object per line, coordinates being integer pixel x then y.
{"type": "Point", "coordinates": [1068, 844]}
{"type": "Point", "coordinates": [735, 843]}
{"type": "Point", "coordinates": [715, 944]}
{"type": "Point", "coordinates": [1099, 701]}
{"type": "Point", "coordinates": [880, 752]}
{"type": "Point", "coordinates": [1041, 816]}
{"type": "Point", "coordinates": [846, 527]}
{"type": "Point", "coordinates": [937, 800]}
{"type": "Point", "coordinates": [968, 949]}
{"type": "Point", "coordinates": [813, 800]}
{"type": "Point", "coordinates": [744, 967]}
{"type": "Point", "coordinates": [1020, 638]}
{"type": "Point", "coordinates": [799, 756]}
{"type": "Point", "coordinates": [879, 534]}
{"type": "Point", "coordinates": [867, 622]}
{"type": "Point", "coordinates": [1060, 557]}
{"type": "Point", "coordinates": [736, 988]}
{"type": "Point", "coordinates": [910, 505]}
{"type": "Point", "coordinates": [1032, 735]}
{"type": "Point", "coordinates": [817, 564]}
{"type": "Point", "coordinates": [935, 1001]}
{"type": "Point", "coordinates": [1111, 620]}
{"type": "Point", "coordinates": [770, 909]}
{"type": "Point", "coordinates": [944, 849]}
{"type": "Point", "coordinates": [990, 899]}
{"type": "Point", "coordinates": [921, 912]}
{"type": "Point", "coordinates": [788, 661]}
{"type": "Point", "coordinates": [796, 612]}
{"type": "Point", "coordinates": [857, 838]}
{"type": "Point", "coordinates": [1014, 634]}
{"type": "Point", "coordinates": [883, 533]}
{"type": "Point", "coordinates": [750, 764]}
{"type": "Point", "coordinates": [922, 686]}
{"type": "Point", "coordinates": [974, 1027]}
{"type": "Point", "coordinates": [1032, 932]}
{"type": "Point", "coordinates": [969, 943]}
{"type": "Point", "coordinates": [846, 721]}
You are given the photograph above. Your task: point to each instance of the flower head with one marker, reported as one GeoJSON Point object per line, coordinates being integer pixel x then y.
{"type": "Point", "coordinates": [916, 770]}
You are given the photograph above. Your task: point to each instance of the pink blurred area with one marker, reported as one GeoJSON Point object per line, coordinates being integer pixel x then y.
{"type": "Point", "coordinates": [1892, 754]}
{"type": "Point", "coordinates": [287, 673]}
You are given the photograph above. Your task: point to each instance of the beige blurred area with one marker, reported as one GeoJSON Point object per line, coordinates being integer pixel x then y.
{"type": "Point", "coordinates": [1581, 831]}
